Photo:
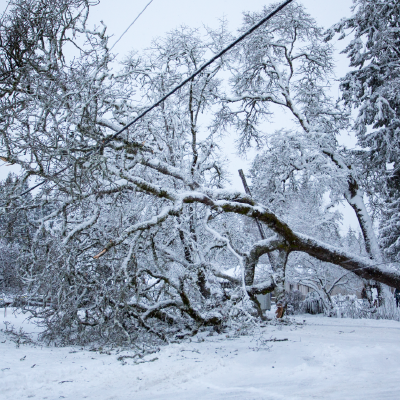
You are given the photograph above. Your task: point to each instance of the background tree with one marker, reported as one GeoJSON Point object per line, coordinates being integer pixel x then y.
{"type": "Point", "coordinates": [16, 234]}
{"type": "Point", "coordinates": [286, 64]}
{"type": "Point", "coordinates": [372, 88]}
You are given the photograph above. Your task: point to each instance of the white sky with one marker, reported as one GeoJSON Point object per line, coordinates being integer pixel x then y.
{"type": "Point", "coordinates": [162, 16]}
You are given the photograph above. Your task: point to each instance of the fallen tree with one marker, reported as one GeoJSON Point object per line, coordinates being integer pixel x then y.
{"type": "Point", "coordinates": [131, 239]}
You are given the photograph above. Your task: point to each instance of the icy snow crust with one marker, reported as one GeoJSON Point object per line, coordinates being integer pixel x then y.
{"type": "Point", "coordinates": [324, 358]}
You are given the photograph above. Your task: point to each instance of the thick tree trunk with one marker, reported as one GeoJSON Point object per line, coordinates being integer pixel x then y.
{"type": "Point", "coordinates": [292, 241]}
{"type": "Point", "coordinates": [258, 249]}
{"type": "Point", "coordinates": [355, 197]}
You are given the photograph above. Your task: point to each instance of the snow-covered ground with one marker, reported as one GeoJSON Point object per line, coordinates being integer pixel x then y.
{"type": "Point", "coordinates": [322, 358]}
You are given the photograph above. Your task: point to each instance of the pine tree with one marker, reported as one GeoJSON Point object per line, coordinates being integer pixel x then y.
{"type": "Point", "coordinates": [390, 225]}
{"type": "Point", "coordinates": [373, 88]}
{"type": "Point", "coordinates": [373, 84]}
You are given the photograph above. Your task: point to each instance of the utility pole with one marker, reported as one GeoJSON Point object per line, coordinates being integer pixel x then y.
{"type": "Point", "coordinates": [247, 190]}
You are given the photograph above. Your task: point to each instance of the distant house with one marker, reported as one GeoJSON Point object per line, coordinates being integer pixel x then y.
{"type": "Point", "coordinates": [304, 290]}
{"type": "Point", "coordinates": [292, 286]}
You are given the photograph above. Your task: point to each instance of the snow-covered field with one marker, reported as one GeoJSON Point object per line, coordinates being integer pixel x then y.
{"type": "Point", "coordinates": [322, 358]}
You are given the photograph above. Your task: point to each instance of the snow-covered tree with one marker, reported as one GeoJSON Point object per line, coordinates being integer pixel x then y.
{"type": "Point", "coordinates": [372, 84]}
{"type": "Point", "coordinates": [15, 235]}
{"type": "Point", "coordinates": [323, 281]}
{"type": "Point", "coordinates": [372, 88]}
{"type": "Point", "coordinates": [390, 222]}
{"type": "Point", "coordinates": [286, 64]}
{"type": "Point", "coordinates": [131, 238]}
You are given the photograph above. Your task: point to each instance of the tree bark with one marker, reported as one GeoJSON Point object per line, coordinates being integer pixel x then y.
{"type": "Point", "coordinates": [278, 260]}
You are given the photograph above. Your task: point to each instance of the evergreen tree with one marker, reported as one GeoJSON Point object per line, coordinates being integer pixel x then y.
{"type": "Point", "coordinates": [373, 84]}
{"type": "Point", "coordinates": [15, 234]}
{"type": "Point", "coordinates": [390, 225]}
{"type": "Point", "coordinates": [373, 88]}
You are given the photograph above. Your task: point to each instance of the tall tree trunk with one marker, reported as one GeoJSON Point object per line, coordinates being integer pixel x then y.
{"type": "Point", "coordinates": [355, 197]}
{"type": "Point", "coordinates": [278, 260]}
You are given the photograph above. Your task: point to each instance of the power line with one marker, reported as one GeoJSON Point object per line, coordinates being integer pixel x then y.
{"type": "Point", "coordinates": [183, 83]}
{"type": "Point", "coordinates": [4, 12]}
{"type": "Point", "coordinates": [127, 29]}
{"type": "Point", "coordinates": [200, 70]}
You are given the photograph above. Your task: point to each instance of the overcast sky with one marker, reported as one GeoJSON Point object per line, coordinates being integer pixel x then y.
{"type": "Point", "coordinates": [162, 16]}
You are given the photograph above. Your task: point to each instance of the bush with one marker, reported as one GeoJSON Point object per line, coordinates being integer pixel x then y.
{"type": "Point", "coordinates": [294, 301]}
{"type": "Point", "coordinates": [313, 304]}
{"type": "Point", "coordinates": [349, 306]}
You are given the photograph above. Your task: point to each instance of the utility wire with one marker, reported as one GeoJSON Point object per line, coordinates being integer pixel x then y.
{"type": "Point", "coordinates": [127, 29]}
{"type": "Point", "coordinates": [88, 154]}
{"type": "Point", "coordinates": [199, 71]}
{"type": "Point", "coordinates": [183, 83]}
{"type": "Point", "coordinates": [4, 12]}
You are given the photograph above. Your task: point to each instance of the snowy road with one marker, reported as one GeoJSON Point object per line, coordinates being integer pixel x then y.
{"type": "Point", "coordinates": [323, 359]}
